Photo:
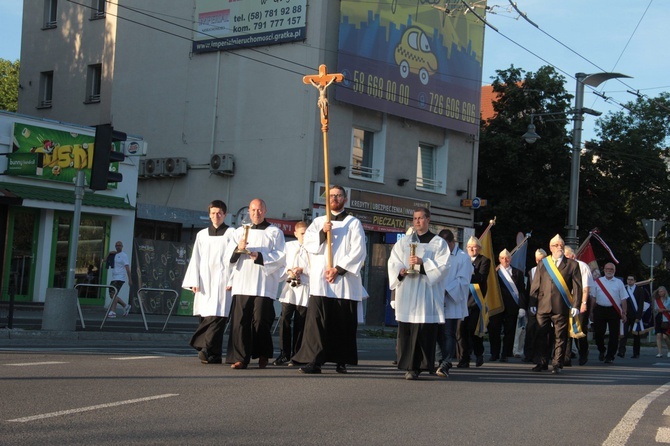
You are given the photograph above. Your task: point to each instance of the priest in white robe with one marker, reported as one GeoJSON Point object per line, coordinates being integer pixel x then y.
{"type": "Point", "coordinates": [257, 265]}
{"type": "Point", "coordinates": [331, 321]}
{"type": "Point", "coordinates": [419, 296]}
{"type": "Point", "coordinates": [207, 276]}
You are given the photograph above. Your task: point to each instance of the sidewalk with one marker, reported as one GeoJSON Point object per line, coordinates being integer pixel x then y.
{"type": "Point", "coordinates": [27, 324]}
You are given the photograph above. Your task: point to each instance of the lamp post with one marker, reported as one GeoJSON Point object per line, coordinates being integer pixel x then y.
{"type": "Point", "coordinates": [592, 80]}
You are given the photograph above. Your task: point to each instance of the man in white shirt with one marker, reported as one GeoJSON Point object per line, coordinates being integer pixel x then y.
{"type": "Point", "coordinates": [120, 274]}
{"type": "Point", "coordinates": [609, 312]}
{"type": "Point", "coordinates": [587, 285]}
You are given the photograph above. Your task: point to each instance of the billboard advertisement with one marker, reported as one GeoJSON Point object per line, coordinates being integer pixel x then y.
{"type": "Point", "coordinates": [417, 59]}
{"type": "Point", "coordinates": [230, 25]}
{"type": "Point", "coordinates": [51, 154]}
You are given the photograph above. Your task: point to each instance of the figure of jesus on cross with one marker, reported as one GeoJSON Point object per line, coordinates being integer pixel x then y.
{"type": "Point", "coordinates": [322, 81]}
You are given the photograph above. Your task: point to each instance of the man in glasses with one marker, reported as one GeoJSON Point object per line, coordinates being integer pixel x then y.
{"type": "Point", "coordinates": [336, 288]}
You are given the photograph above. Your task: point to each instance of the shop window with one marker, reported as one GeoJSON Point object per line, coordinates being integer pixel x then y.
{"type": "Point", "coordinates": [157, 230]}
{"type": "Point", "coordinates": [92, 250]}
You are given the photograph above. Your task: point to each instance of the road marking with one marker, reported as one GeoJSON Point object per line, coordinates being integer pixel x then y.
{"type": "Point", "coordinates": [666, 411]}
{"type": "Point", "coordinates": [621, 432]}
{"type": "Point", "coordinates": [89, 408]}
{"type": "Point", "coordinates": [130, 358]}
{"type": "Point", "coordinates": [24, 364]}
{"type": "Point", "coordinates": [663, 435]}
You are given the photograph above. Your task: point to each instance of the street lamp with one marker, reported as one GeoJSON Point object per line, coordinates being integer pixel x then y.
{"type": "Point", "coordinates": [592, 80]}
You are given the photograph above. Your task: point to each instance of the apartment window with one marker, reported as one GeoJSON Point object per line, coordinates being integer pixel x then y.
{"type": "Point", "coordinates": [98, 9]}
{"type": "Point", "coordinates": [367, 155]}
{"type": "Point", "coordinates": [431, 169]}
{"type": "Point", "coordinates": [46, 89]}
{"type": "Point", "coordinates": [50, 13]}
{"type": "Point", "coordinates": [93, 81]}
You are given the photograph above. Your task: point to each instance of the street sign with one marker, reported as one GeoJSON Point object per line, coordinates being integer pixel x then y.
{"type": "Point", "coordinates": [475, 203]}
{"type": "Point", "coordinates": [651, 255]}
{"type": "Point", "coordinates": [653, 226]}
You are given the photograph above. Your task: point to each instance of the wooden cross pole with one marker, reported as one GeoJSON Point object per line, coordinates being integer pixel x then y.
{"type": "Point", "coordinates": [322, 81]}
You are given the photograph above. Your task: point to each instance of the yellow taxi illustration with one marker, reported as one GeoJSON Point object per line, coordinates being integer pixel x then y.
{"type": "Point", "coordinates": [413, 55]}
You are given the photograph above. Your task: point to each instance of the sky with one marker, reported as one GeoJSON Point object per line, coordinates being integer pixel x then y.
{"type": "Point", "coordinates": [588, 36]}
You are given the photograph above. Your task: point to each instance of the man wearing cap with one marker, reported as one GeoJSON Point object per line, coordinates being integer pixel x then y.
{"type": "Point", "coordinates": [555, 295]}
{"type": "Point", "coordinates": [512, 289]}
{"type": "Point", "coordinates": [468, 340]}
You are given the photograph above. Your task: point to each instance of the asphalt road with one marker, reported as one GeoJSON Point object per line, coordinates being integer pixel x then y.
{"type": "Point", "coordinates": [119, 390]}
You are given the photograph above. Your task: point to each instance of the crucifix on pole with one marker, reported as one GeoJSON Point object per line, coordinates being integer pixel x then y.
{"type": "Point", "coordinates": [322, 81]}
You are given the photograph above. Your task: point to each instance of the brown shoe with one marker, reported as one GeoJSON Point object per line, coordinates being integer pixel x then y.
{"type": "Point", "coordinates": [238, 365]}
{"type": "Point", "coordinates": [262, 362]}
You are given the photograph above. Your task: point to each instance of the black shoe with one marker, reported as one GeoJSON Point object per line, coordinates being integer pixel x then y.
{"type": "Point", "coordinates": [341, 368]}
{"type": "Point", "coordinates": [583, 360]}
{"type": "Point", "coordinates": [480, 361]}
{"type": "Point", "coordinates": [601, 356]}
{"type": "Point", "coordinates": [443, 371]}
{"type": "Point", "coordinates": [635, 356]}
{"type": "Point", "coordinates": [555, 370]}
{"type": "Point", "coordinates": [280, 361]}
{"type": "Point", "coordinates": [311, 368]}
{"type": "Point", "coordinates": [621, 354]}
{"type": "Point", "coordinates": [537, 368]}
{"type": "Point", "coordinates": [394, 362]}
{"type": "Point", "coordinates": [492, 358]}
{"type": "Point", "coordinates": [208, 359]}
{"type": "Point", "coordinates": [503, 359]}
{"type": "Point", "coordinates": [463, 365]}
{"type": "Point", "coordinates": [609, 360]}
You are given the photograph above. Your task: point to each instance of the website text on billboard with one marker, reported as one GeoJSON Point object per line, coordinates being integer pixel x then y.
{"type": "Point", "coordinates": [249, 23]}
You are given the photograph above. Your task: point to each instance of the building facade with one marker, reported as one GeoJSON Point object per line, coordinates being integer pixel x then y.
{"type": "Point", "coordinates": [227, 115]}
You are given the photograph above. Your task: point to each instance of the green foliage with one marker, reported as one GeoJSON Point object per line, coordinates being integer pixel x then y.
{"type": "Point", "coordinates": [9, 85]}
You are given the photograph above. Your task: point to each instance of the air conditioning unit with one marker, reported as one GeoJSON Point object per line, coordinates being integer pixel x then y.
{"type": "Point", "coordinates": [222, 164]}
{"type": "Point", "coordinates": [154, 167]}
{"type": "Point", "coordinates": [175, 167]}
{"type": "Point", "coordinates": [142, 171]}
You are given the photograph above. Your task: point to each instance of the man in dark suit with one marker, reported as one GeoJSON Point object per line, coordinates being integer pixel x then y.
{"type": "Point", "coordinates": [637, 296]}
{"type": "Point", "coordinates": [468, 341]}
{"type": "Point", "coordinates": [531, 324]}
{"type": "Point", "coordinates": [550, 305]}
{"type": "Point", "coordinates": [512, 290]}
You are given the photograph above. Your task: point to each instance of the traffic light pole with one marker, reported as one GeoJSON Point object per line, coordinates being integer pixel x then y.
{"type": "Point", "coordinates": [74, 229]}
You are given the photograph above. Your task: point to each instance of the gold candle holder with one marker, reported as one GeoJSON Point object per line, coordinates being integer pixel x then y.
{"type": "Point", "coordinates": [246, 236]}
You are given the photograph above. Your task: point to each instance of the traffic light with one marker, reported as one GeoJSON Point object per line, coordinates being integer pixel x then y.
{"type": "Point", "coordinates": [103, 155]}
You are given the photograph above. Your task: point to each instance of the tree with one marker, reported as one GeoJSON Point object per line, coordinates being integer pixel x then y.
{"type": "Point", "coordinates": [9, 85]}
{"type": "Point", "coordinates": [525, 185]}
{"type": "Point", "coordinates": [625, 178]}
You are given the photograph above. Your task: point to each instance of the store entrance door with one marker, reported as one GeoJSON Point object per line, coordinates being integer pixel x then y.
{"type": "Point", "coordinates": [22, 233]}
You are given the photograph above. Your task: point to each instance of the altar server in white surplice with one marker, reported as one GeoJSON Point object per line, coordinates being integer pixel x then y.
{"type": "Point", "coordinates": [419, 296]}
{"type": "Point", "coordinates": [255, 282]}
{"type": "Point", "coordinates": [207, 276]}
